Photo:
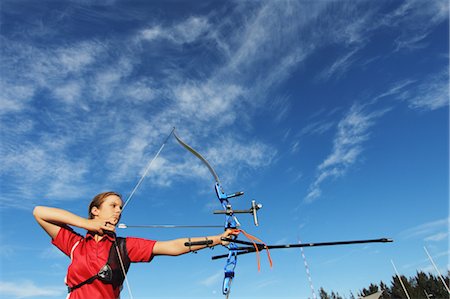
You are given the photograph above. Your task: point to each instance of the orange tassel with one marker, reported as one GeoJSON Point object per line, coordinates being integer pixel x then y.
{"type": "Point", "coordinates": [253, 239]}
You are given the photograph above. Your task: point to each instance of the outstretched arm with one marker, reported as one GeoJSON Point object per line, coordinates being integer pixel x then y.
{"type": "Point", "coordinates": [177, 247]}
{"type": "Point", "coordinates": [52, 219]}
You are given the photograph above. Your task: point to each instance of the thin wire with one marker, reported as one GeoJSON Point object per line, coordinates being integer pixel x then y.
{"type": "Point", "coordinates": [123, 270]}
{"type": "Point", "coordinates": [128, 200]}
{"type": "Point", "coordinates": [146, 171]}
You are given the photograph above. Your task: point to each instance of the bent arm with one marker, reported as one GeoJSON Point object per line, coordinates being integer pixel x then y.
{"type": "Point", "coordinates": [52, 219]}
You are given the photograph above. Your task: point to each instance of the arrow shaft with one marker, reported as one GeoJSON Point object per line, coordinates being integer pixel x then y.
{"type": "Point", "coordinates": [245, 250]}
{"type": "Point", "coordinates": [170, 226]}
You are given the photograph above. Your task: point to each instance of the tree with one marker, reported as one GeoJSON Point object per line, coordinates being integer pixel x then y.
{"type": "Point", "coordinates": [396, 290]}
{"type": "Point", "coordinates": [373, 288]}
{"type": "Point", "coordinates": [335, 296]}
{"type": "Point", "coordinates": [323, 294]}
{"type": "Point", "coordinates": [420, 286]}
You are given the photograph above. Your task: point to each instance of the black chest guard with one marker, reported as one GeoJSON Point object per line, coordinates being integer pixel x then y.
{"type": "Point", "coordinates": [118, 275]}
{"type": "Point", "coordinates": [112, 272]}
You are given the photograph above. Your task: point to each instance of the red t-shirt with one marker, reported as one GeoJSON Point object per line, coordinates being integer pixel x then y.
{"type": "Point", "coordinates": [88, 256]}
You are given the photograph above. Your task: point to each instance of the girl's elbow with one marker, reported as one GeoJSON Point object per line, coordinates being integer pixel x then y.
{"type": "Point", "coordinates": [37, 211]}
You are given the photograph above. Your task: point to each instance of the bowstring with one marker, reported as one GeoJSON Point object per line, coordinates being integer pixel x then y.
{"type": "Point", "coordinates": [146, 170]}
{"type": "Point", "coordinates": [123, 270]}
{"type": "Point", "coordinates": [149, 165]}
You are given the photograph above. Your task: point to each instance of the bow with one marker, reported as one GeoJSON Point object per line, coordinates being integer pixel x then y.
{"type": "Point", "coordinates": [231, 221]}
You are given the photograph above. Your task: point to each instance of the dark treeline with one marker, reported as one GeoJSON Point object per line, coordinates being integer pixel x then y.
{"type": "Point", "coordinates": [420, 286]}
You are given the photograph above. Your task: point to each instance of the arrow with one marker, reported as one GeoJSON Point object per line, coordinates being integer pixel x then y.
{"type": "Point", "coordinates": [245, 250]}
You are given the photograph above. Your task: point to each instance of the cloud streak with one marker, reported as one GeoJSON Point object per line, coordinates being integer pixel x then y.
{"type": "Point", "coordinates": [187, 31]}
{"type": "Point", "coordinates": [27, 288]}
{"type": "Point", "coordinates": [352, 133]}
{"type": "Point", "coordinates": [436, 230]}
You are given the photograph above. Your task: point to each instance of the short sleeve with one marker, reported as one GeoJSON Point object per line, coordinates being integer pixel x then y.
{"type": "Point", "coordinates": [66, 239]}
{"type": "Point", "coordinates": [140, 250]}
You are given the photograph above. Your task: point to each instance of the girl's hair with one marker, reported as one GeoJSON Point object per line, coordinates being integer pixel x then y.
{"type": "Point", "coordinates": [98, 200]}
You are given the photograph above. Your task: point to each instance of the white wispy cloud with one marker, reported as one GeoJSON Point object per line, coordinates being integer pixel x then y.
{"type": "Point", "coordinates": [280, 107]}
{"type": "Point", "coordinates": [431, 94]}
{"type": "Point", "coordinates": [245, 156]}
{"type": "Point", "coordinates": [206, 101]}
{"type": "Point", "coordinates": [412, 21]}
{"type": "Point", "coordinates": [141, 91]}
{"type": "Point", "coordinates": [51, 253]}
{"type": "Point", "coordinates": [14, 97]}
{"type": "Point", "coordinates": [267, 47]}
{"type": "Point", "coordinates": [295, 146]}
{"type": "Point", "coordinates": [7, 251]}
{"type": "Point", "coordinates": [352, 132]}
{"type": "Point", "coordinates": [213, 279]}
{"type": "Point", "coordinates": [28, 288]}
{"type": "Point", "coordinates": [266, 283]}
{"type": "Point", "coordinates": [186, 31]}
{"type": "Point", "coordinates": [426, 266]}
{"type": "Point", "coordinates": [317, 127]}
{"type": "Point", "coordinates": [59, 71]}
{"type": "Point", "coordinates": [436, 230]}
{"type": "Point", "coordinates": [399, 90]}
{"type": "Point", "coordinates": [437, 237]}
{"type": "Point", "coordinates": [424, 94]}
{"type": "Point", "coordinates": [350, 32]}
{"type": "Point", "coordinates": [340, 65]}
{"type": "Point", "coordinates": [415, 20]}
{"type": "Point", "coordinates": [44, 166]}
{"type": "Point", "coordinates": [68, 92]}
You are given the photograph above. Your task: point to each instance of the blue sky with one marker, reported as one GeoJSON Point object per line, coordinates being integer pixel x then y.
{"type": "Point", "coordinates": [332, 114]}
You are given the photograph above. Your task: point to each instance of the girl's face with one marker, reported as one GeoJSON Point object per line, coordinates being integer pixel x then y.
{"type": "Point", "coordinates": [111, 207]}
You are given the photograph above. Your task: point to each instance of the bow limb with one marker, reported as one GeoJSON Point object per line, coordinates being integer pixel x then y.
{"type": "Point", "coordinates": [197, 154]}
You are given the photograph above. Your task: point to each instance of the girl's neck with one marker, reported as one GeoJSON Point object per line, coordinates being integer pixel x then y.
{"type": "Point", "coordinates": [97, 237]}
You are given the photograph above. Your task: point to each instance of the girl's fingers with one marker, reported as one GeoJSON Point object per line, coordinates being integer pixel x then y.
{"type": "Point", "coordinates": [112, 220]}
{"type": "Point", "coordinates": [233, 232]}
{"type": "Point", "coordinates": [109, 226]}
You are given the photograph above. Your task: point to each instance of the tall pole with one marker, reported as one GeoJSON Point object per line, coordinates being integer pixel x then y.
{"type": "Point", "coordinates": [399, 278]}
{"type": "Point", "coordinates": [307, 272]}
{"type": "Point", "coordinates": [437, 270]}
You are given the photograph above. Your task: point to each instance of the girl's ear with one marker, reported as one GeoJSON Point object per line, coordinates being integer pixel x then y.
{"type": "Point", "coordinates": [95, 211]}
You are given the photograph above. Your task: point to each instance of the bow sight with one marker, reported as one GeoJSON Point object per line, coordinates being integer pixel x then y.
{"type": "Point", "coordinates": [228, 210]}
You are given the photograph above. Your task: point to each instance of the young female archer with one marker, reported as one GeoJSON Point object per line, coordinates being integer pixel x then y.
{"type": "Point", "coordinates": [99, 260]}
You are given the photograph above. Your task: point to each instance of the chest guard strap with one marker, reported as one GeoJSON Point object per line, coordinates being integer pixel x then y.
{"type": "Point", "coordinates": [112, 272]}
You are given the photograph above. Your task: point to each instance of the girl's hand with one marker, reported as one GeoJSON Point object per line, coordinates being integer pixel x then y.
{"type": "Point", "coordinates": [100, 225]}
{"type": "Point", "coordinates": [229, 234]}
